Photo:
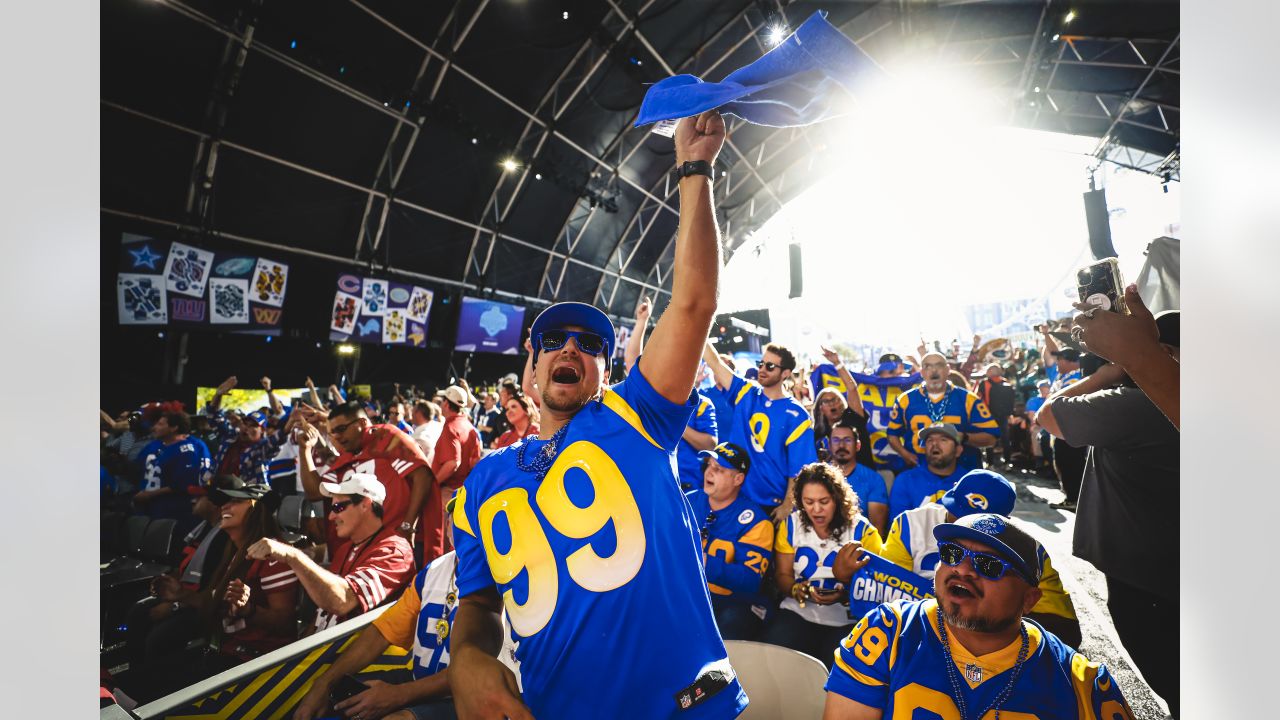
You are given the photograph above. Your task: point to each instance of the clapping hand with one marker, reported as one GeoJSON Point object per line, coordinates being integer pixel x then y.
{"type": "Point", "coordinates": [237, 598]}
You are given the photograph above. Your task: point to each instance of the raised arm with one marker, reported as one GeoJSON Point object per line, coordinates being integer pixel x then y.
{"type": "Point", "coordinates": [635, 343]}
{"type": "Point", "coordinates": [276, 408]}
{"type": "Point", "coordinates": [672, 360]}
{"type": "Point", "coordinates": [719, 371]}
{"type": "Point", "coordinates": [216, 403]}
{"type": "Point", "coordinates": [852, 393]}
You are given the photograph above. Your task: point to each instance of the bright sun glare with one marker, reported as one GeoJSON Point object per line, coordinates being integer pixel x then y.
{"type": "Point", "coordinates": [933, 203]}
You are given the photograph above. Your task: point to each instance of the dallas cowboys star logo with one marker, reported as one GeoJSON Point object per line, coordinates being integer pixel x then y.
{"type": "Point", "coordinates": [144, 257]}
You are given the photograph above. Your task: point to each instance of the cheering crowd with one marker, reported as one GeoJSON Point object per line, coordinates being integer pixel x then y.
{"type": "Point", "coordinates": [560, 533]}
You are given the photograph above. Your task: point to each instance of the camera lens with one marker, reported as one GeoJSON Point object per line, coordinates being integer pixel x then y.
{"type": "Point", "coordinates": [1084, 276]}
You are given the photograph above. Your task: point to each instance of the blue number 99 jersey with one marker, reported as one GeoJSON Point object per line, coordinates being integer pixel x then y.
{"type": "Point", "coordinates": [599, 566]}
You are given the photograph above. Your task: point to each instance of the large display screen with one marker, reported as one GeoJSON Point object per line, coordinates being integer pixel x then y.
{"type": "Point", "coordinates": [488, 326]}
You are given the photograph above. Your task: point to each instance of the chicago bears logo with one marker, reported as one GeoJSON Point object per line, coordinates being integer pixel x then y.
{"type": "Point", "coordinates": [976, 501]}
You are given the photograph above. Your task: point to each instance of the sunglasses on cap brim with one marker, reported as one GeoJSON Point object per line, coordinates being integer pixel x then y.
{"type": "Point", "coordinates": [588, 342]}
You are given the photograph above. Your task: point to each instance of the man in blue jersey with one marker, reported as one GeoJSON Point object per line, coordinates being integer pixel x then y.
{"type": "Point", "coordinates": [930, 482]}
{"type": "Point", "coordinates": [737, 540]}
{"type": "Point", "coordinates": [774, 427]}
{"type": "Point", "coordinates": [867, 483]}
{"type": "Point", "coordinates": [937, 400]}
{"type": "Point", "coordinates": [175, 467]}
{"type": "Point", "coordinates": [970, 653]}
{"type": "Point", "coordinates": [582, 534]}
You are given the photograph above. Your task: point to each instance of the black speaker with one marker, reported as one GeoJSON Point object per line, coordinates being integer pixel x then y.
{"type": "Point", "coordinates": [1099, 221]}
{"type": "Point", "coordinates": [797, 271]}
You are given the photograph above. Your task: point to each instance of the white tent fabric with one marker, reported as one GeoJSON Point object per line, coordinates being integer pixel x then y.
{"type": "Point", "coordinates": [1158, 281]}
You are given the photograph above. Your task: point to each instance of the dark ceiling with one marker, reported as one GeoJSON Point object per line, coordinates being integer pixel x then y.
{"type": "Point", "coordinates": [374, 131]}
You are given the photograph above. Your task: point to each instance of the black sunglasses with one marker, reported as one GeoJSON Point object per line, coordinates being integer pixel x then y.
{"type": "Point", "coordinates": [767, 366]}
{"type": "Point", "coordinates": [588, 342]}
{"type": "Point", "coordinates": [341, 505]}
{"type": "Point", "coordinates": [706, 525]}
{"type": "Point", "coordinates": [988, 566]}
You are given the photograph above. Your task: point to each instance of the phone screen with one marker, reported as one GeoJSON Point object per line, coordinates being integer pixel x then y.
{"type": "Point", "coordinates": [346, 687]}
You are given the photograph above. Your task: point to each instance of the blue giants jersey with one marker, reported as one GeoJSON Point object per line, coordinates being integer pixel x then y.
{"type": "Point", "coordinates": [894, 660]}
{"type": "Point", "coordinates": [181, 467]}
{"type": "Point", "coordinates": [777, 433]}
{"type": "Point", "coordinates": [690, 465]}
{"type": "Point", "coordinates": [738, 544]}
{"type": "Point", "coordinates": [962, 408]}
{"type": "Point", "coordinates": [599, 565]}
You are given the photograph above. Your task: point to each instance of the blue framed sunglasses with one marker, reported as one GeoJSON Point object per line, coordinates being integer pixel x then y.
{"type": "Point", "coordinates": [989, 566]}
{"type": "Point", "coordinates": [588, 342]}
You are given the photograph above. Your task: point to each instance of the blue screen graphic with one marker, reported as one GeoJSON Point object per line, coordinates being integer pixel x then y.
{"type": "Point", "coordinates": [488, 326]}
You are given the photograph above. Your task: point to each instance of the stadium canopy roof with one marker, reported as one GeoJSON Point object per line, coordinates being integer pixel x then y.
{"type": "Point", "coordinates": [375, 131]}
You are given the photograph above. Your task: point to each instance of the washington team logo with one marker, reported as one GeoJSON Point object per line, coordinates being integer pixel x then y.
{"type": "Point", "coordinates": [976, 501]}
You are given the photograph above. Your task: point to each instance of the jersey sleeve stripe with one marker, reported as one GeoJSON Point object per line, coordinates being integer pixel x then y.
{"type": "Point", "coordinates": [460, 514]}
{"type": "Point", "coordinates": [746, 388]}
{"type": "Point", "coordinates": [614, 402]}
{"type": "Point", "coordinates": [795, 434]}
{"type": "Point", "coordinates": [844, 667]}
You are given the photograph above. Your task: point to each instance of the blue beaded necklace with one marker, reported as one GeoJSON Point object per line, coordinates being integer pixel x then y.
{"type": "Point", "coordinates": [545, 458]}
{"type": "Point", "coordinates": [937, 410]}
{"type": "Point", "coordinates": [954, 675]}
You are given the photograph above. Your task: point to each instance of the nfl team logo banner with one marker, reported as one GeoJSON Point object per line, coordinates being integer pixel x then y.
{"type": "Point", "coordinates": [379, 311]}
{"type": "Point", "coordinates": [880, 581]}
{"type": "Point", "coordinates": [172, 283]}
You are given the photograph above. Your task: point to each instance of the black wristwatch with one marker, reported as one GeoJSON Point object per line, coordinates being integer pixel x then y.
{"type": "Point", "coordinates": [693, 167]}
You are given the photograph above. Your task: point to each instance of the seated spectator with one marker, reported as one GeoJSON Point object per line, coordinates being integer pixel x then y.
{"type": "Point", "coordinates": [911, 545]}
{"type": "Point", "coordinates": [419, 622]}
{"type": "Point", "coordinates": [869, 485]}
{"type": "Point", "coordinates": [248, 608]}
{"type": "Point", "coordinates": [941, 471]}
{"type": "Point", "coordinates": [970, 650]}
{"type": "Point", "coordinates": [939, 400]}
{"type": "Point", "coordinates": [371, 566]}
{"type": "Point", "coordinates": [522, 419]}
{"type": "Point", "coordinates": [827, 525]}
{"type": "Point", "coordinates": [737, 542]}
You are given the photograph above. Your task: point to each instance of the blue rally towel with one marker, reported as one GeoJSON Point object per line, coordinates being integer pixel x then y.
{"type": "Point", "coordinates": [792, 84]}
{"type": "Point", "coordinates": [880, 581]}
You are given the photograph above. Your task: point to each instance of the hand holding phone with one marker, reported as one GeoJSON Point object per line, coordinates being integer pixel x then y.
{"type": "Point", "coordinates": [1101, 286]}
{"type": "Point", "coordinates": [346, 687]}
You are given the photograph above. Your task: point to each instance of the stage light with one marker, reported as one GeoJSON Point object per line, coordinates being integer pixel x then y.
{"type": "Point", "coordinates": [777, 34]}
{"type": "Point", "coordinates": [565, 15]}
{"type": "Point", "coordinates": [293, 44]}
{"type": "Point", "coordinates": [509, 165]}
{"type": "Point", "coordinates": [474, 141]}
{"type": "Point", "coordinates": [537, 176]}
{"type": "Point", "coordinates": [1071, 15]}
{"type": "Point", "coordinates": [1037, 88]}
{"type": "Point", "coordinates": [737, 338]}
{"type": "Point", "coordinates": [1055, 37]}
{"type": "Point", "coordinates": [346, 349]}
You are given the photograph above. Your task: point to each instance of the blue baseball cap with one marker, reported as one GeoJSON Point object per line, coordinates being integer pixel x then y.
{"type": "Point", "coordinates": [729, 456]}
{"type": "Point", "coordinates": [256, 418]}
{"type": "Point", "coordinates": [1004, 538]}
{"type": "Point", "coordinates": [887, 366]}
{"type": "Point", "coordinates": [564, 314]}
{"type": "Point", "coordinates": [980, 491]}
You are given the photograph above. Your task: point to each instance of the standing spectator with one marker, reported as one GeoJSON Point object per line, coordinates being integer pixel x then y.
{"type": "Point", "coordinates": [938, 400]}
{"type": "Point", "coordinates": [175, 469]}
{"type": "Point", "coordinates": [522, 416]}
{"type": "Point", "coordinates": [245, 448]}
{"type": "Point", "coordinates": [428, 423]}
{"type": "Point", "coordinates": [737, 542]}
{"type": "Point", "coordinates": [371, 566]}
{"type": "Point", "coordinates": [1041, 440]}
{"type": "Point", "coordinates": [866, 483]}
{"type": "Point", "coordinates": [412, 503]}
{"type": "Point", "coordinates": [395, 416]}
{"type": "Point", "coordinates": [999, 398]}
{"type": "Point", "coordinates": [1128, 498]}
{"type": "Point", "coordinates": [486, 417]}
{"type": "Point", "coordinates": [774, 428]}
{"type": "Point", "coordinates": [457, 450]}
{"type": "Point", "coordinates": [721, 399]}
{"type": "Point", "coordinates": [826, 525]}
{"type": "Point", "coordinates": [927, 483]}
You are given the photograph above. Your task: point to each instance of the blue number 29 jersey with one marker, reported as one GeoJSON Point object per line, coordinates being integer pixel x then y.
{"type": "Point", "coordinates": [599, 566]}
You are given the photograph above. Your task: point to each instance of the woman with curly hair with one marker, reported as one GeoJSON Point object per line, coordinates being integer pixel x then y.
{"type": "Point", "coordinates": [522, 415]}
{"type": "Point", "coordinates": [828, 523]}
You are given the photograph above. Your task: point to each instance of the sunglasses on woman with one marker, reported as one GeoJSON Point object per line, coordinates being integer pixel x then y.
{"type": "Point", "coordinates": [988, 566]}
{"type": "Point", "coordinates": [588, 342]}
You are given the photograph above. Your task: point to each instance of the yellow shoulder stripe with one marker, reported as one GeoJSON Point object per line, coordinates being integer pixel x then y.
{"type": "Point", "coordinates": [844, 666]}
{"type": "Point", "coordinates": [746, 388]}
{"type": "Point", "coordinates": [614, 402]}
{"type": "Point", "coordinates": [795, 434]}
{"type": "Point", "coordinates": [702, 407]}
{"type": "Point", "coordinates": [460, 514]}
{"type": "Point", "coordinates": [969, 400]}
{"type": "Point", "coordinates": [782, 543]}
{"type": "Point", "coordinates": [761, 535]}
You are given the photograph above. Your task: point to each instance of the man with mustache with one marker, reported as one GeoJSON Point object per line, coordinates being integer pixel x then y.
{"type": "Point", "coordinates": [969, 653]}
{"type": "Point", "coordinates": [581, 533]}
{"type": "Point", "coordinates": [937, 400]}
